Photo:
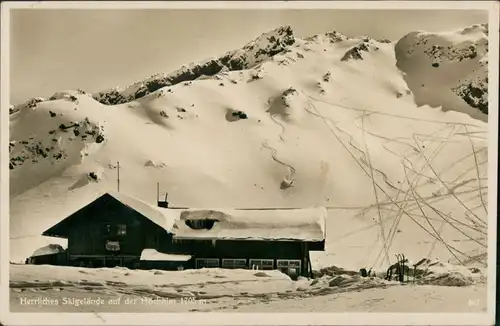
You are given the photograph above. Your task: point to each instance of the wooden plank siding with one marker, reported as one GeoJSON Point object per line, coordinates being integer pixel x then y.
{"type": "Point", "coordinates": [90, 238]}
{"type": "Point", "coordinates": [237, 248]}
{"type": "Point", "coordinates": [87, 233]}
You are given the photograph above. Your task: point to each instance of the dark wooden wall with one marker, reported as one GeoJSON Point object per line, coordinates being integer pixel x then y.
{"type": "Point", "coordinates": [88, 236]}
{"type": "Point", "coordinates": [244, 249]}
{"type": "Point", "coordinates": [237, 249]}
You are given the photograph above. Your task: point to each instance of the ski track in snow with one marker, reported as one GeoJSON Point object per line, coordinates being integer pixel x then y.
{"type": "Point", "coordinates": [412, 185]}
{"type": "Point", "coordinates": [290, 168]}
{"type": "Point", "coordinates": [282, 133]}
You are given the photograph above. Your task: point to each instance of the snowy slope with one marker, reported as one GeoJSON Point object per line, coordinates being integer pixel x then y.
{"type": "Point", "coordinates": [448, 69]}
{"type": "Point", "coordinates": [327, 120]}
{"type": "Point", "coordinates": [241, 290]}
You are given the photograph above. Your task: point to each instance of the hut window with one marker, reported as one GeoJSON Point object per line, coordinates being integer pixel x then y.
{"type": "Point", "coordinates": [234, 263]}
{"type": "Point", "coordinates": [201, 224]}
{"type": "Point", "coordinates": [262, 264]}
{"type": "Point", "coordinates": [207, 262]}
{"type": "Point", "coordinates": [112, 246]}
{"type": "Point", "coordinates": [287, 263]}
{"type": "Point", "coordinates": [121, 229]}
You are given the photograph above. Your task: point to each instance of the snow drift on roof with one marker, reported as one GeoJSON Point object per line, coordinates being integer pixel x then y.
{"type": "Point", "coordinates": [307, 224]}
{"type": "Point", "coordinates": [48, 250]}
{"type": "Point", "coordinates": [154, 255]}
{"type": "Point", "coordinates": [162, 217]}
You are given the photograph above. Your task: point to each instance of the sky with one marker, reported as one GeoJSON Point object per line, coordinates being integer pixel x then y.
{"type": "Point", "coordinates": [61, 49]}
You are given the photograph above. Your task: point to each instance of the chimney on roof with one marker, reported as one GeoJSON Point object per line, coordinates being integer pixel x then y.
{"type": "Point", "coordinates": [161, 203]}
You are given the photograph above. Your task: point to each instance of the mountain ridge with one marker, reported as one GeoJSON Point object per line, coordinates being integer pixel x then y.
{"type": "Point", "coordinates": [472, 89]}
{"type": "Point", "coordinates": [251, 54]}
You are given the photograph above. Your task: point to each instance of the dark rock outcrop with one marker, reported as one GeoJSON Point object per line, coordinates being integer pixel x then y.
{"type": "Point", "coordinates": [356, 52]}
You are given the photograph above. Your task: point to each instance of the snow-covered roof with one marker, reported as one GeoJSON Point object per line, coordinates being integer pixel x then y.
{"type": "Point", "coordinates": [161, 217]}
{"type": "Point", "coordinates": [304, 224]}
{"type": "Point", "coordinates": [154, 255]}
{"type": "Point", "coordinates": [48, 250]}
{"type": "Point", "coordinates": [299, 224]}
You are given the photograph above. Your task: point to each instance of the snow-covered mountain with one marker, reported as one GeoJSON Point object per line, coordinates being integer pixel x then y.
{"type": "Point", "coordinates": [448, 69]}
{"type": "Point", "coordinates": [282, 122]}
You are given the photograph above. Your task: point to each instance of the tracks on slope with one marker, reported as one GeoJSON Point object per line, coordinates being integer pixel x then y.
{"type": "Point", "coordinates": [381, 222]}
{"type": "Point", "coordinates": [477, 169]}
{"type": "Point", "coordinates": [363, 159]}
{"type": "Point", "coordinates": [291, 169]}
{"type": "Point", "coordinates": [390, 114]}
{"type": "Point", "coordinates": [411, 185]}
{"type": "Point", "coordinates": [282, 133]}
{"type": "Point", "coordinates": [401, 209]}
{"type": "Point", "coordinates": [446, 187]}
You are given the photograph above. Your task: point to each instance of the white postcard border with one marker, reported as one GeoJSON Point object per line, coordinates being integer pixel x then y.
{"type": "Point", "coordinates": [8, 318]}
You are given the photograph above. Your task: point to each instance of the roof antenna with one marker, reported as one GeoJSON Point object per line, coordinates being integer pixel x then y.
{"type": "Point", "coordinates": [163, 204]}
{"type": "Point", "coordinates": [118, 177]}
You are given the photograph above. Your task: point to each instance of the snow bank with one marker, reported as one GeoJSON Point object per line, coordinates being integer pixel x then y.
{"type": "Point", "coordinates": [218, 289]}
{"type": "Point", "coordinates": [332, 271]}
{"type": "Point", "coordinates": [424, 272]}
{"type": "Point", "coordinates": [27, 275]}
{"type": "Point", "coordinates": [154, 255]}
{"type": "Point", "coordinates": [445, 274]}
